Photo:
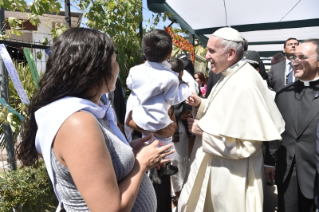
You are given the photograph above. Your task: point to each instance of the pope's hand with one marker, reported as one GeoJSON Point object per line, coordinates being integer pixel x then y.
{"type": "Point", "coordinates": [193, 100]}
{"type": "Point", "coordinates": [193, 127]}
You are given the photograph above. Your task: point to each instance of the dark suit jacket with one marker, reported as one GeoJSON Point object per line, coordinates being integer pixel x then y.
{"type": "Point", "coordinates": [212, 80]}
{"type": "Point", "coordinates": [119, 103]}
{"type": "Point", "coordinates": [299, 145]}
{"type": "Point", "coordinates": [276, 76]}
{"type": "Point", "coordinates": [317, 160]}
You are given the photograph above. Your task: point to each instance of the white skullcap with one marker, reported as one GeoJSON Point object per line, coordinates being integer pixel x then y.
{"type": "Point", "coordinates": [228, 33]}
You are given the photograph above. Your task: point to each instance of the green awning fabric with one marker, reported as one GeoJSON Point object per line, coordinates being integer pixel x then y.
{"type": "Point", "coordinates": [265, 24]}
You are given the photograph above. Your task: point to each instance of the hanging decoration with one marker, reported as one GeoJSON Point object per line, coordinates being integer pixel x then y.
{"type": "Point", "coordinates": [33, 67]}
{"type": "Point", "coordinates": [13, 75]}
{"type": "Point", "coordinates": [181, 43]}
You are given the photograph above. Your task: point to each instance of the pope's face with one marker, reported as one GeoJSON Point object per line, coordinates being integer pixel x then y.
{"type": "Point", "coordinates": [306, 64]}
{"type": "Point", "coordinates": [216, 55]}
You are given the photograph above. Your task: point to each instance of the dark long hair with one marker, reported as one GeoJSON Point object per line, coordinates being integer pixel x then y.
{"type": "Point", "coordinates": [188, 66]}
{"type": "Point", "coordinates": [81, 59]}
{"type": "Point", "coordinates": [201, 77]}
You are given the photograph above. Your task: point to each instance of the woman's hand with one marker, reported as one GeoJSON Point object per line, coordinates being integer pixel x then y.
{"type": "Point", "coordinates": [193, 100]}
{"type": "Point", "coordinates": [150, 156]}
{"type": "Point", "coordinates": [139, 143]}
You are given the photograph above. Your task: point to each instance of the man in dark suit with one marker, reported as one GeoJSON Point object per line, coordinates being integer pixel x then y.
{"type": "Point", "coordinates": [317, 158]}
{"type": "Point", "coordinates": [212, 80]}
{"type": "Point", "coordinates": [281, 74]}
{"type": "Point", "coordinates": [295, 156]}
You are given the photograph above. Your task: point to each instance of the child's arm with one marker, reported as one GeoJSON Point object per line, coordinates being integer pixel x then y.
{"type": "Point", "coordinates": [165, 132]}
{"type": "Point", "coordinates": [182, 82]}
{"type": "Point", "coordinates": [175, 93]}
{"type": "Point", "coordinates": [129, 81]}
{"type": "Point", "coordinates": [172, 114]}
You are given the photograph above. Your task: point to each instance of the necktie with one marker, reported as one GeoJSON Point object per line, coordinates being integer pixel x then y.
{"type": "Point", "coordinates": [289, 77]}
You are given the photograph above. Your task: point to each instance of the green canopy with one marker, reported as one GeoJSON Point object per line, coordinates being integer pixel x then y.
{"type": "Point", "coordinates": [265, 24]}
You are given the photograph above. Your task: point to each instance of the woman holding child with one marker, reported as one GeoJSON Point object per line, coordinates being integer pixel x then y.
{"type": "Point", "coordinates": [91, 165]}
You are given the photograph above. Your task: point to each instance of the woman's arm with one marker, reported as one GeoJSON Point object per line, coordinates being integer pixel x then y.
{"type": "Point", "coordinates": [80, 146]}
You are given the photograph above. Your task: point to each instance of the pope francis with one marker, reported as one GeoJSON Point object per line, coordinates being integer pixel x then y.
{"type": "Point", "coordinates": [230, 127]}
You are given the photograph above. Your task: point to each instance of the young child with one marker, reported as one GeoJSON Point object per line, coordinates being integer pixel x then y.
{"type": "Point", "coordinates": [155, 87]}
{"type": "Point", "coordinates": [177, 65]}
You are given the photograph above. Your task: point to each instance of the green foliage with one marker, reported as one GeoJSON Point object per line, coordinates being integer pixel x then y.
{"type": "Point", "coordinates": [45, 41]}
{"type": "Point", "coordinates": [39, 55]}
{"type": "Point", "coordinates": [120, 19]}
{"type": "Point", "coordinates": [29, 187]}
{"type": "Point", "coordinates": [13, 120]}
{"type": "Point", "coordinates": [13, 4]}
{"type": "Point", "coordinates": [37, 7]}
{"type": "Point", "coordinates": [14, 22]}
{"type": "Point", "coordinates": [24, 73]}
{"type": "Point", "coordinates": [34, 20]}
{"type": "Point", "coordinates": [58, 29]}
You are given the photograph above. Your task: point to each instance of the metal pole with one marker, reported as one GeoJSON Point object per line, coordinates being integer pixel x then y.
{"type": "Point", "coordinates": [67, 14]}
{"type": "Point", "coordinates": [141, 25]}
{"type": "Point", "coordinates": [193, 43]}
{"type": "Point", "coordinates": [4, 92]}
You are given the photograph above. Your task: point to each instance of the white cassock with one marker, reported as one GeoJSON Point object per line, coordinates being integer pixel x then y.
{"type": "Point", "coordinates": [227, 162]}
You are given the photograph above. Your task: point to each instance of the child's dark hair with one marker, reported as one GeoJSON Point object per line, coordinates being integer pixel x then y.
{"type": "Point", "coordinates": [177, 65]}
{"type": "Point", "coordinates": [157, 45]}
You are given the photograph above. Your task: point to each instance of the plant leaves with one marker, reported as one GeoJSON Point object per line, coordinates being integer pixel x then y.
{"type": "Point", "coordinates": [39, 55]}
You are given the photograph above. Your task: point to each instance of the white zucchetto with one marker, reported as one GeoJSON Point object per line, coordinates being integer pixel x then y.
{"type": "Point", "coordinates": [228, 33]}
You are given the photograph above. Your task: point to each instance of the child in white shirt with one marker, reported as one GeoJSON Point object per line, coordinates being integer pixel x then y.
{"type": "Point", "coordinates": [155, 87]}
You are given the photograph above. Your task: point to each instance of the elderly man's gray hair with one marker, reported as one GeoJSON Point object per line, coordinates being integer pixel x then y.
{"type": "Point", "coordinates": [238, 46]}
{"type": "Point", "coordinates": [315, 42]}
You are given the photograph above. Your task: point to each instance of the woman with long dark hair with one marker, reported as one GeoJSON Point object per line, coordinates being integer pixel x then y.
{"type": "Point", "coordinates": [90, 163]}
{"type": "Point", "coordinates": [201, 80]}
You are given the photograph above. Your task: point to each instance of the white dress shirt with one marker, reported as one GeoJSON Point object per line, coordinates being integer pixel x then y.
{"type": "Point", "coordinates": [288, 70]}
{"type": "Point", "coordinates": [155, 87]}
{"type": "Point", "coordinates": [193, 85]}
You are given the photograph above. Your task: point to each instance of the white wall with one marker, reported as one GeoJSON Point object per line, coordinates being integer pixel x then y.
{"type": "Point", "coordinates": [38, 37]}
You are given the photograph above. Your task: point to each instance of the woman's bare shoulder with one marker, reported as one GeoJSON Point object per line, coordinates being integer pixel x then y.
{"type": "Point", "coordinates": [80, 119]}
{"type": "Point", "coordinates": [81, 129]}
